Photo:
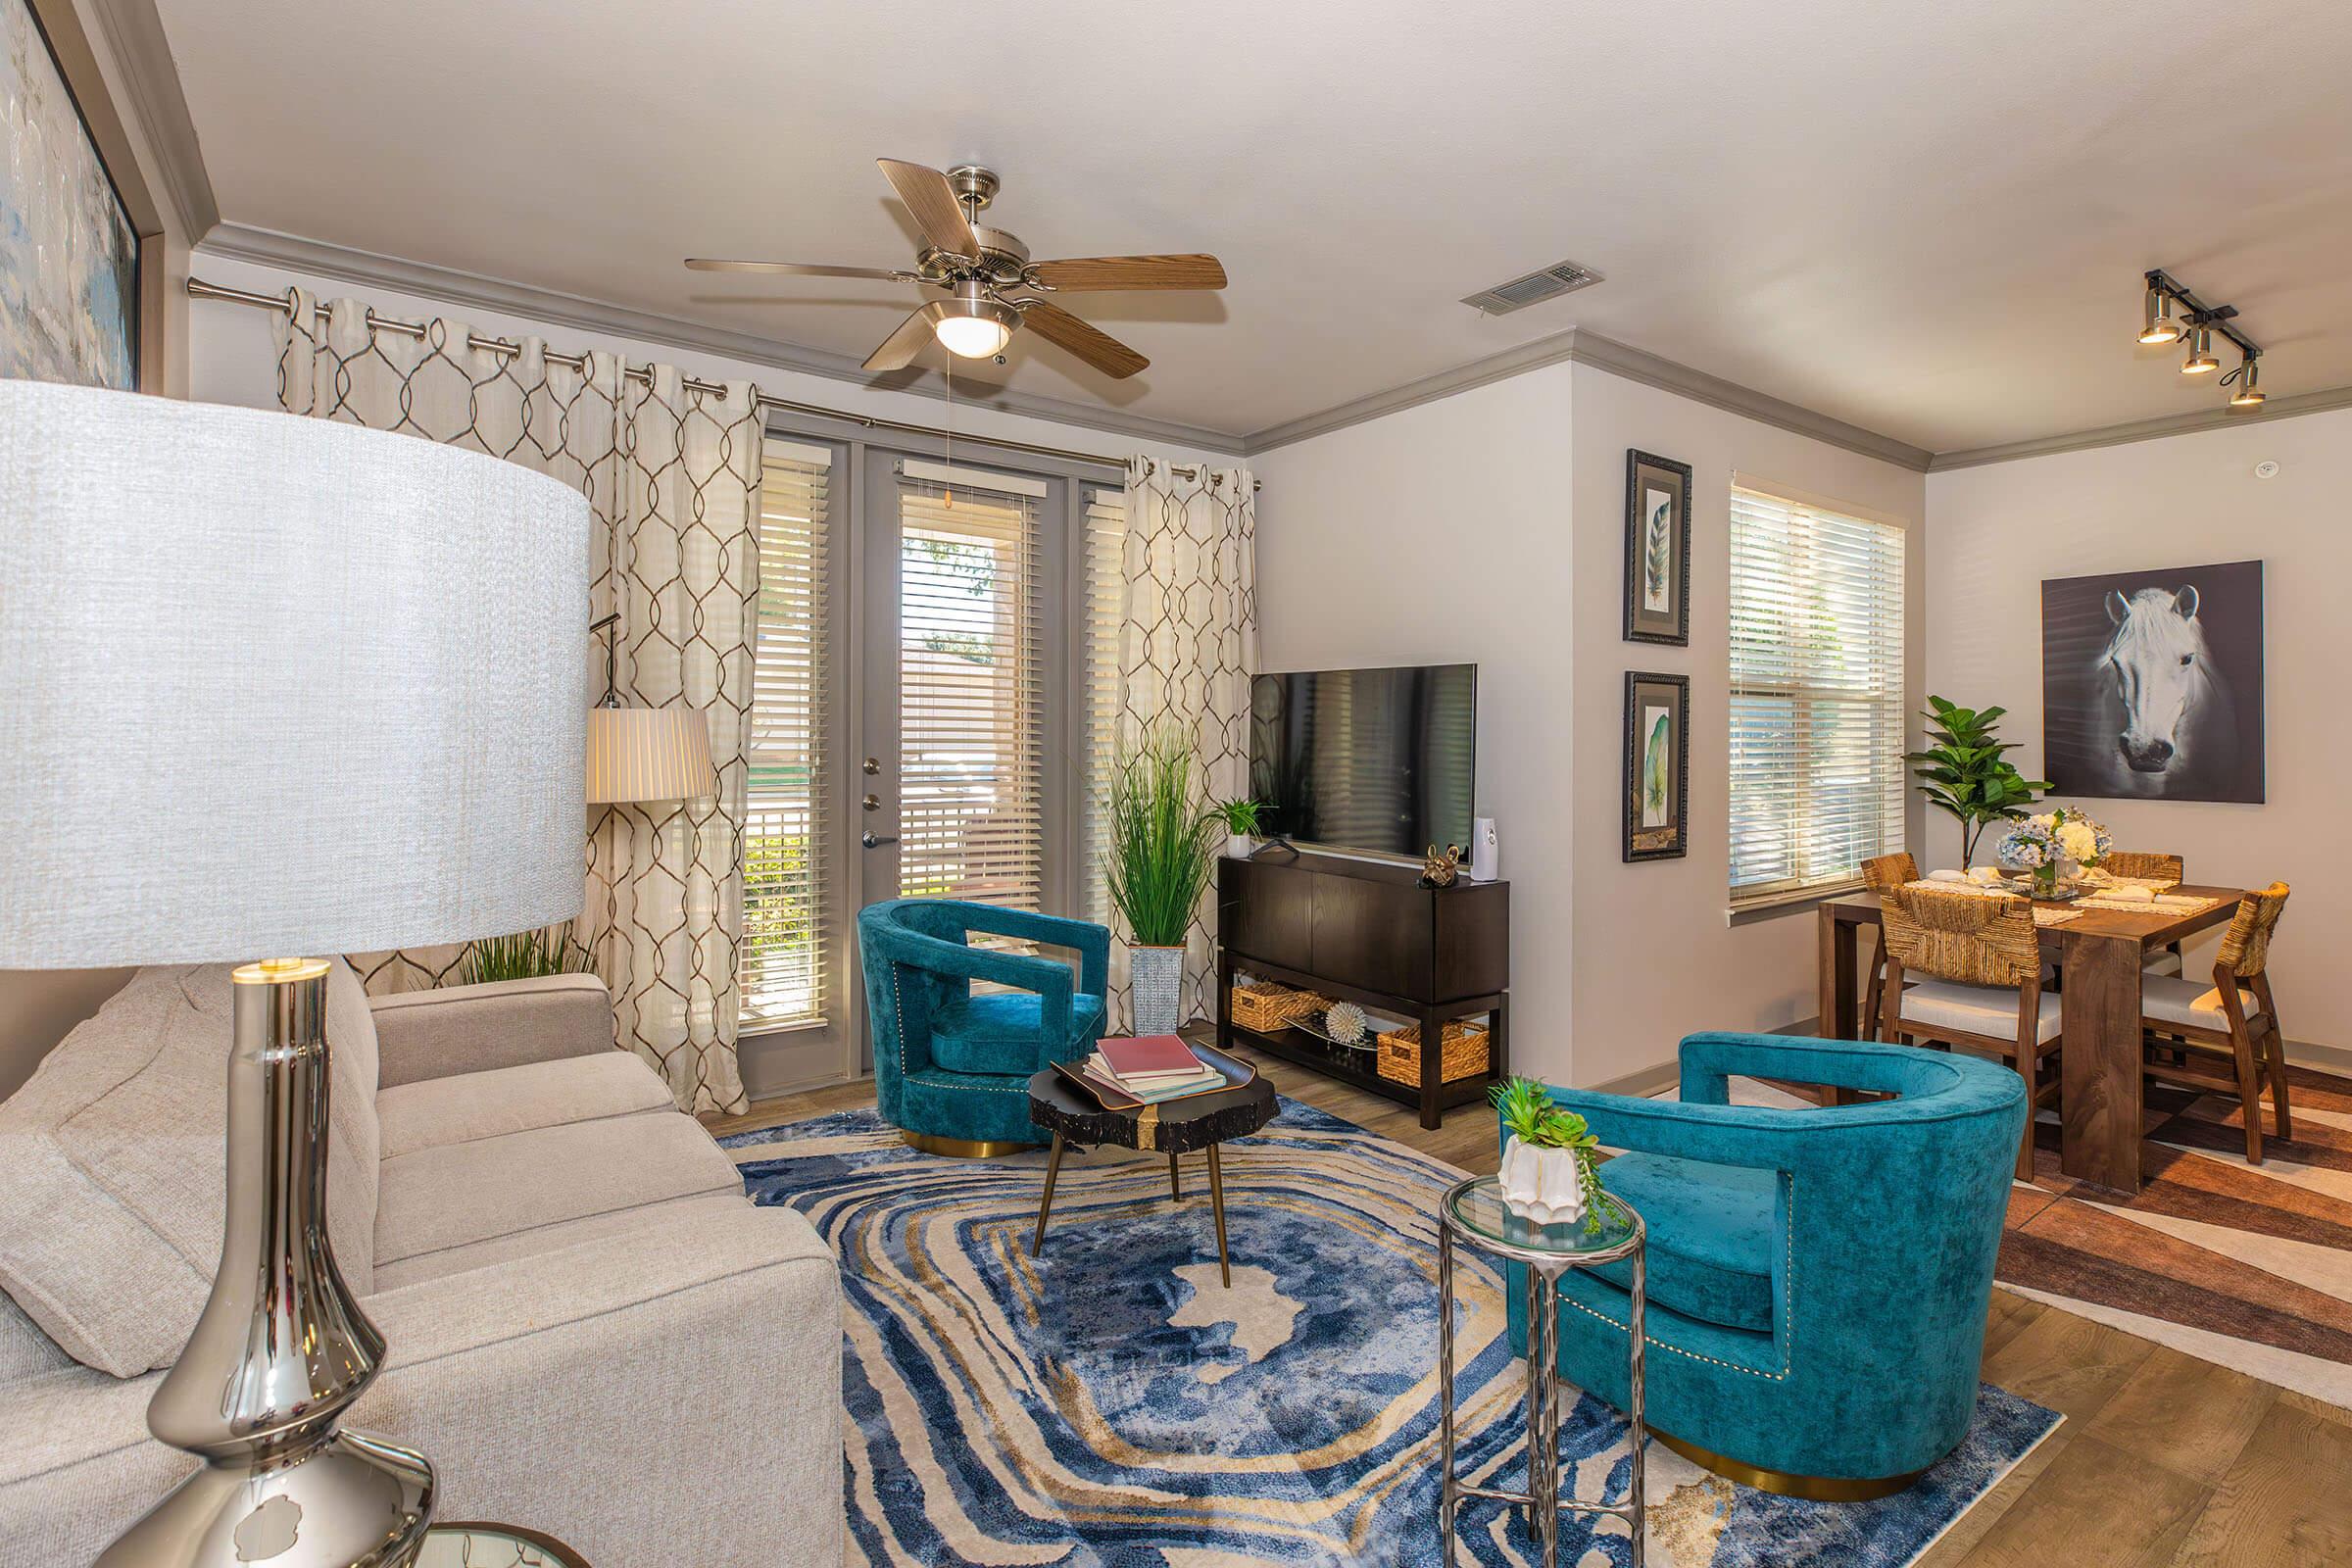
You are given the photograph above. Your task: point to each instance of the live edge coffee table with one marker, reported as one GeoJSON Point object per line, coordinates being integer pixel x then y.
{"type": "Point", "coordinates": [1178, 1126]}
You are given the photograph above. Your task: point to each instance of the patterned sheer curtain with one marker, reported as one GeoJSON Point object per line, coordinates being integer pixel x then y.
{"type": "Point", "coordinates": [1188, 646]}
{"type": "Point", "coordinates": [673, 478]}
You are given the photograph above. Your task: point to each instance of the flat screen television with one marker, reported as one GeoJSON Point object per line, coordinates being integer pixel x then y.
{"type": "Point", "coordinates": [1376, 759]}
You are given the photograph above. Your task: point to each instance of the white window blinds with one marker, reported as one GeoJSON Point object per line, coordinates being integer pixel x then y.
{"type": "Point", "coordinates": [784, 981]}
{"type": "Point", "coordinates": [1104, 610]}
{"type": "Point", "coordinates": [970, 691]}
{"type": "Point", "coordinates": [1817, 709]}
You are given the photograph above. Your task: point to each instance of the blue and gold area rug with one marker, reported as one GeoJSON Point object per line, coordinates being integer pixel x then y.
{"type": "Point", "coordinates": [1110, 1403]}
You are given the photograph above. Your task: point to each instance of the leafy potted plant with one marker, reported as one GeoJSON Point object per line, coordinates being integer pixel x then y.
{"type": "Point", "coordinates": [1966, 773]}
{"type": "Point", "coordinates": [1548, 1175]}
{"type": "Point", "coordinates": [1162, 849]}
{"type": "Point", "coordinates": [1240, 819]}
{"type": "Point", "coordinates": [525, 956]}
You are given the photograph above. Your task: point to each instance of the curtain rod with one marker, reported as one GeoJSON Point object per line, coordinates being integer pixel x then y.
{"type": "Point", "coordinates": [200, 289]}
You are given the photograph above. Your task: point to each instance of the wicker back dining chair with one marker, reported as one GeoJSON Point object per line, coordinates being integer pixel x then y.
{"type": "Point", "coordinates": [1883, 874]}
{"type": "Point", "coordinates": [1978, 959]}
{"type": "Point", "coordinates": [2149, 866]}
{"type": "Point", "coordinates": [2237, 1020]}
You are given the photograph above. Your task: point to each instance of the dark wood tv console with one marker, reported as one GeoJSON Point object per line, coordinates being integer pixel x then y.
{"type": "Point", "coordinates": [1362, 931]}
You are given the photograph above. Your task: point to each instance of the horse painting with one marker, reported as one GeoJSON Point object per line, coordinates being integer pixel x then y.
{"type": "Point", "coordinates": [2142, 700]}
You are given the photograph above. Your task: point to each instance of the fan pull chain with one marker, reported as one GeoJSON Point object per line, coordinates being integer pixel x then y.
{"type": "Point", "coordinates": [948, 431]}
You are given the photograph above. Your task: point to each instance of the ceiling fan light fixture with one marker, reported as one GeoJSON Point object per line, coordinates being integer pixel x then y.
{"type": "Point", "coordinates": [973, 325]}
{"type": "Point", "coordinates": [2159, 326]}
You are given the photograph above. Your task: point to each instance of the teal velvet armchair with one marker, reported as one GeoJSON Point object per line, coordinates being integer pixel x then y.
{"type": "Point", "coordinates": [952, 1068]}
{"type": "Point", "coordinates": [1816, 1278]}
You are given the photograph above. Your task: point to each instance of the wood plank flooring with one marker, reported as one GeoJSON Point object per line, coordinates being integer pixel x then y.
{"type": "Point", "coordinates": [2165, 1462]}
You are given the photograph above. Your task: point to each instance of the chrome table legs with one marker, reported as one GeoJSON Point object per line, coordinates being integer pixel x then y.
{"type": "Point", "coordinates": [1542, 1498]}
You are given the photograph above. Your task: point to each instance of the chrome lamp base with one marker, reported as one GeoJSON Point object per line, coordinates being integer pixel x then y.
{"type": "Point", "coordinates": [281, 1348]}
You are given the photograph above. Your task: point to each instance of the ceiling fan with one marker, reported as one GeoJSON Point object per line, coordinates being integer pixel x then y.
{"type": "Point", "coordinates": [976, 267]}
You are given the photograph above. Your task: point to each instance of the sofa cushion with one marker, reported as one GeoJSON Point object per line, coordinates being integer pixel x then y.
{"type": "Point", "coordinates": [113, 1161]}
{"type": "Point", "coordinates": [455, 1194]}
{"type": "Point", "coordinates": [536, 1248]}
{"type": "Point", "coordinates": [999, 1032]}
{"type": "Point", "coordinates": [467, 1105]}
{"type": "Point", "coordinates": [1711, 1237]}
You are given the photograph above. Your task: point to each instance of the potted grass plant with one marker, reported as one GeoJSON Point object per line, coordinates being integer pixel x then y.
{"type": "Point", "coordinates": [1162, 849]}
{"type": "Point", "coordinates": [1548, 1175]}
{"type": "Point", "coordinates": [525, 956]}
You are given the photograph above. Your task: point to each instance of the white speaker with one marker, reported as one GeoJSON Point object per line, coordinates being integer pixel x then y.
{"type": "Point", "coordinates": [1485, 851]}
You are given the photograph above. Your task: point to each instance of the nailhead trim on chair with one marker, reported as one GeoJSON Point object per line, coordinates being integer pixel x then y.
{"type": "Point", "coordinates": [897, 999]}
{"type": "Point", "coordinates": [1787, 1335]}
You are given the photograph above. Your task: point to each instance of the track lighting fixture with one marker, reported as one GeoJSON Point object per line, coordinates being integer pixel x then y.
{"type": "Point", "coordinates": [2249, 395]}
{"type": "Point", "coordinates": [2200, 360]}
{"type": "Point", "coordinates": [2171, 314]}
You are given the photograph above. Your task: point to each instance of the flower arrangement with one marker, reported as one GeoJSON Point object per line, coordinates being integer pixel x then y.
{"type": "Point", "coordinates": [2043, 843]}
{"type": "Point", "coordinates": [1548, 1174]}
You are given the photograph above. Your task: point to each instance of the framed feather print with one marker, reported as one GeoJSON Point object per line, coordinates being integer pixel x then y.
{"type": "Point", "coordinates": [1657, 765]}
{"type": "Point", "coordinates": [1657, 550]}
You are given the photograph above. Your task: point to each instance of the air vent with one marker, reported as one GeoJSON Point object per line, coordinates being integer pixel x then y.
{"type": "Point", "coordinates": [1533, 289]}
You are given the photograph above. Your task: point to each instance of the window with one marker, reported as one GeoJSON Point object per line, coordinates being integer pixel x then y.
{"type": "Point", "coordinates": [1817, 706]}
{"type": "Point", "coordinates": [1103, 610]}
{"type": "Point", "coordinates": [783, 976]}
{"type": "Point", "coordinates": [971, 687]}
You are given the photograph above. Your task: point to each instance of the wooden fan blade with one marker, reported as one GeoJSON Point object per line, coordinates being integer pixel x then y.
{"type": "Point", "coordinates": [897, 351]}
{"type": "Point", "coordinates": [1079, 274]}
{"type": "Point", "coordinates": [705, 264]}
{"type": "Point", "coordinates": [932, 199]}
{"type": "Point", "coordinates": [1096, 347]}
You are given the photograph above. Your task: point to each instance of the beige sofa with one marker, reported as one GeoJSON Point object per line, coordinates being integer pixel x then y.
{"type": "Point", "coordinates": [593, 1332]}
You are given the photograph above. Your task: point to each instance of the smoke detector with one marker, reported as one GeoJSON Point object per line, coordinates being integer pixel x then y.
{"type": "Point", "coordinates": [1564, 278]}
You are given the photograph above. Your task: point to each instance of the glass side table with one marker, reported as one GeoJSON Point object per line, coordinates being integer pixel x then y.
{"type": "Point", "coordinates": [1473, 1213]}
{"type": "Point", "coordinates": [485, 1545]}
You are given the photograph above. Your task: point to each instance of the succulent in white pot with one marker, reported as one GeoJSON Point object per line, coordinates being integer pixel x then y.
{"type": "Point", "coordinates": [1240, 817]}
{"type": "Point", "coordinates": [1548, 1174]}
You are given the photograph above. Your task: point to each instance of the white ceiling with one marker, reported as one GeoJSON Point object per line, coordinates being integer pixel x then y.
{"type": "Point", "coordinates": [1927, 221]}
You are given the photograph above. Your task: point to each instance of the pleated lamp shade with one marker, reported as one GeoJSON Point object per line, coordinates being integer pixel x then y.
{"type": "Point", "coordinates": [648, 754]}
{"type": "Point", "coordinates": [274, 687]}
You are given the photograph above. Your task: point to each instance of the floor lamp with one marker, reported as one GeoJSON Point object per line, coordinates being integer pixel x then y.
{"type": "Point", "coordinates": [274, 685]}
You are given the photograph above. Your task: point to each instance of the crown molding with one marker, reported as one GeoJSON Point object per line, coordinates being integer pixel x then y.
{"type": "Point", "coordinates": [268, 247]}
{"type": "Point", "coordinates": [1580, 346]}
{"type": "Point", "coordinates": [2114, 435]}
{"type": "Point", "coordinates": [134, 36]}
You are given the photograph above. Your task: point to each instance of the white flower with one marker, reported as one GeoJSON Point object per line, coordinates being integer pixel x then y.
{"type": "Point", "coordinates": [2079, 840]}
{"type": "Point", "coordinates": [2046, 822]}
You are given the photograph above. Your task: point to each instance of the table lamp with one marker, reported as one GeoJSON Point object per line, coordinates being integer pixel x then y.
{"type": "Point", "coordinates": [644, 753]}
{"type": "Point", "coordinates": [277, 686]}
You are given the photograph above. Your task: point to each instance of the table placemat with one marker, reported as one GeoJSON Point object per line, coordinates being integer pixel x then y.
{"type": "Point", "coordinates": [2162, 904]}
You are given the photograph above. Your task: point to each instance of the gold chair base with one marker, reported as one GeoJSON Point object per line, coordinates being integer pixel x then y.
{"type": "Point", "coordinates": [964, 1148]}
{"type": "Point", "coordinates": [1809, 1488]}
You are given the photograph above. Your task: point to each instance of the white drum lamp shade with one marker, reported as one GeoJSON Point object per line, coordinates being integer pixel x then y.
{"type": "Point", "coordinates": [273, 686]}
{"type": "Point", "coordinates": [648, 754]}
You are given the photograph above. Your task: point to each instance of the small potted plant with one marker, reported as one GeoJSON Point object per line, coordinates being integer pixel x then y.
{"type": "Point", "coordinates": [1241, 825]}
{"type": "Point", "coordinates": [1548, 1175]}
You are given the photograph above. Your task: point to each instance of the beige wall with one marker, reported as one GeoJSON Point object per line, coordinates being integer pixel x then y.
{"type": "Point", "coordinates": [1436, 535]}
{"type": "Point", "coordinates": [1655, 957]}
{"type": "Point", "coordinates": [1490, 526]}
{"type": "Point", "coordinates": [2185, 501]}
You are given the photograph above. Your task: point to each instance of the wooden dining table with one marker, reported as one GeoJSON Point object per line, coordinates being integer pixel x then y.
{"type": "Point", "coordinates": [2100, 953]}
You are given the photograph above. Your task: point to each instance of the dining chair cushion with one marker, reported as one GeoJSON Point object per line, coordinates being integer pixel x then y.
{"type": "Point", "coordinates": [2166, 1000]}
{"type": "Point", "coordinates": [2164, 961]}
{"type": "Point", "coordinates": [1976, 1010]}
{"type": "Point", "coordinates": [1001, 1032]}
{"type": "Point", "coordinates": [1710, 1237]}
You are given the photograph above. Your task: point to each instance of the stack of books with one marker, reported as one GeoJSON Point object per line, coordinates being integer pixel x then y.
{"type": "Point", "coordinates": [1150, 1067]}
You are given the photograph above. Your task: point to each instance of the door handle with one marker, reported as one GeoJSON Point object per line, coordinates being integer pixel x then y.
{"type": "Point", "coordinates": [875, 841]}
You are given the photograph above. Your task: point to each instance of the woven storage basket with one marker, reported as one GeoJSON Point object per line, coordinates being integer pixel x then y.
{"type": "Point", "coordinates": [1268, 1006]}
{"type": "Point", "coordinates": [1465, 1053]}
